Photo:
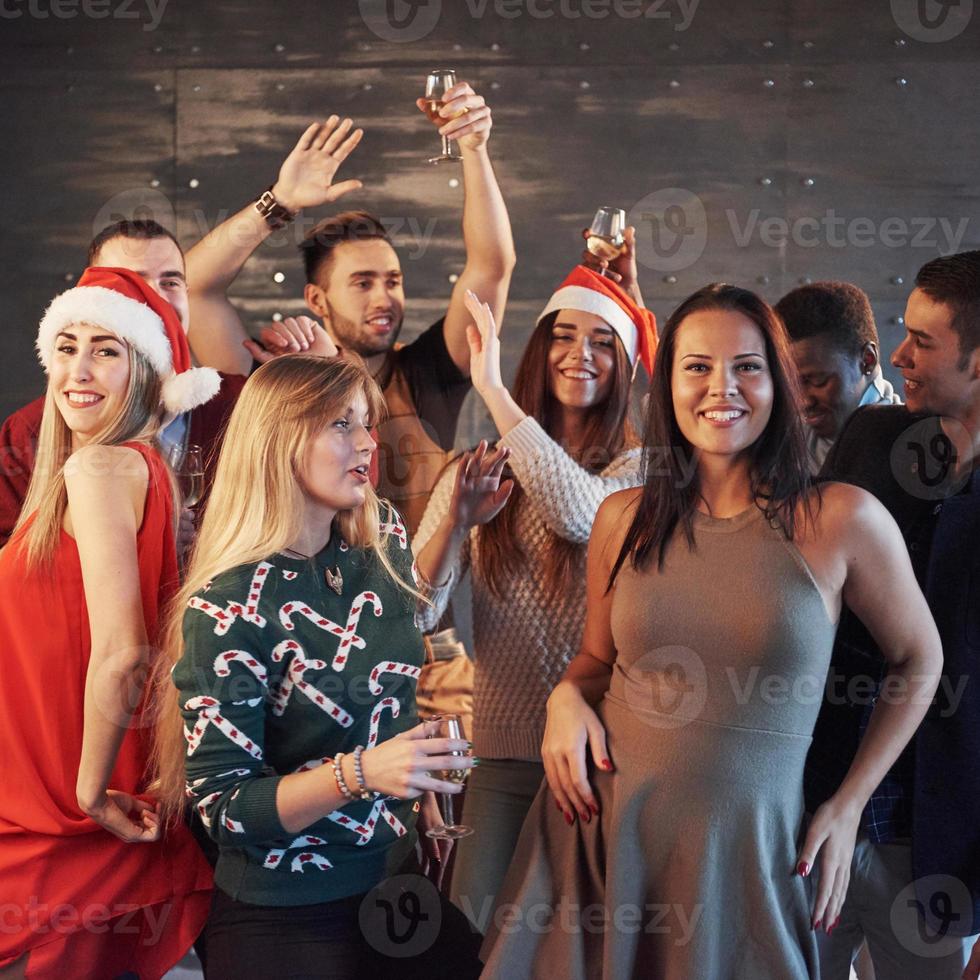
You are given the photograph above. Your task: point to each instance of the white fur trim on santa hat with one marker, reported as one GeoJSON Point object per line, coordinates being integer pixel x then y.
{"type": "Point", "coordinates": [187, 390]}
{"type": "Point", "coordinates": [591, 301]}
{"type": "Point", "coordinates": [127, 318]}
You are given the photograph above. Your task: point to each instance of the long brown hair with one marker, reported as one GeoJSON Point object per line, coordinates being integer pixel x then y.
{"type": "Point", "coordinates": [608, 432]}
{"type": "Point", "coordinates": [255, 509]}
{"type": "Point", "coordinates": [780, 472]}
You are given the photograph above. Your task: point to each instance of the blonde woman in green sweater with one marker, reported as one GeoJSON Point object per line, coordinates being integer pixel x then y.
{"type": "Point", "coordinates": [568, 443]}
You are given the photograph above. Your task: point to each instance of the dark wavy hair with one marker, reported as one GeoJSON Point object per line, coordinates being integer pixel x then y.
{"type": "Point", "coordinates": [608, 431]}
{"type": "Point", "coordinates": [780, 470]}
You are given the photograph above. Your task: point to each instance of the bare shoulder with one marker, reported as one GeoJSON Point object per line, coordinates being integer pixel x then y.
{"type": "Point", "coordinates": [847, 514]}
{"type": "Point", "coordinates": [613, 519]}
{"type": "Point", "coordinates": [104, 467]}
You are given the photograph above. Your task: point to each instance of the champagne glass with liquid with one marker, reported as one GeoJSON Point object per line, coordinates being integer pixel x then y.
{"type": "Point", "coordinates": [449, 726]}
{"type": "Point", "coordinates": [437, 84]}
{"type": "Point", "coordinates": [606, 239]}
{"type": "Point", "coordinates": [188, 467]}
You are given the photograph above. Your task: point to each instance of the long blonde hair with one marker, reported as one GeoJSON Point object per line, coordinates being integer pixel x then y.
{"type": "Point", "coordinates": [138, 420]}
{"type": "Point", "coordinates": [256, 509]}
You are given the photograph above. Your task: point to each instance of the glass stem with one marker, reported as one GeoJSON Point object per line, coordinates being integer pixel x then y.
{"type": "Point", "coordinates": [446, 808]}
{"type": "Point", "coordinates": [447, 146]}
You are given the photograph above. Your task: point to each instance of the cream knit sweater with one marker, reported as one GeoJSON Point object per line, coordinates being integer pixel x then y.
{"type": "Point", "coordinates": [525, 640]}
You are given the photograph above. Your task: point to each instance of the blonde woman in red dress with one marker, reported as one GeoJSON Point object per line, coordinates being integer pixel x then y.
{"type": "Point", "coordinates": [91, 890]}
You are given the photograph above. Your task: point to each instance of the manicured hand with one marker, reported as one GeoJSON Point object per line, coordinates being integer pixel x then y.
{"type": "Point", "coordinates": [401, 765]}
{"type": "Point", "coordinates": [478, 494]}
{"type": "Point", "coordinates": [306, 176]}
{"type": "Point", "coordinates": [293, 335]}
{"type": "Point", "coordinates": [572, 727]}
{"type": "Point", "coordinates": [484, 346]}
{"type": "Point", "coordinates": [128, 817]}
{"type": "Point", "coordinates": [621, 269]}
{"type": "Point", "coordinates": [830, 839]}
{"type": "Point", "coordinates": [467, 116]}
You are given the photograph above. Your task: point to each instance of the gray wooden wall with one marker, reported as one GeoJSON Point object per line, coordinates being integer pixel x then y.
{"type": "Point", "coordinates": [765, 143]}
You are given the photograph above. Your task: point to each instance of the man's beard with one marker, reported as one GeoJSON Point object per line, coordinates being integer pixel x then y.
{"type": "Point", "coordinates": [350, 336]}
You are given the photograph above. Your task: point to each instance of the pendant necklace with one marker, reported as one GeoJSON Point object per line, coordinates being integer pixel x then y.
{"type": "Point", "coordinates": [334, 579]}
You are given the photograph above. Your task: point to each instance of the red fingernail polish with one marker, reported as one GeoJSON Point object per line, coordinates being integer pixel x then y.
{"type": "Point", "coordinates": [558, 804]}
{"type": "Point", "coordinates": [594, 808]}
{"type": "Point", "coordinates": [586, 816]}
{"type": "Point", "coordinates": [816, 925]}
{"type": "Point", "coordinates": [569, 819]}
{"type": "Point", "coordinates": [607, 765]}
{"type": "Point", "coordinates": [803, 869]}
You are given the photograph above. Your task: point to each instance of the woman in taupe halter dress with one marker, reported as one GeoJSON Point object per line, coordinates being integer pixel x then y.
{"type": "Point", "coordinates": [668, 841]}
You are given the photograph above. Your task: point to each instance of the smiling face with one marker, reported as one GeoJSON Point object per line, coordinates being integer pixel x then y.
{"type": "Point", "coordinates": [937, 380]}
{"type": "Point", "coordinates": [158, 262]}
{"type": "Point", "coordinates": [832, 382]}
{"type": "Point", "coordinates": [581, 359]}
{"type": "Point", "coordinates": [721, 384]}
{"type": "Point", "coordinates": [89, 379]}
{"type": "Point", "coordinates": [334, 476]}
{"type": "Point", "coordinates": [359, 294]}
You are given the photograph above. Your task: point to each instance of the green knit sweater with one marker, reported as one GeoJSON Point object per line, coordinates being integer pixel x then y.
{"type": "Point", "coordinates": [279, 673]}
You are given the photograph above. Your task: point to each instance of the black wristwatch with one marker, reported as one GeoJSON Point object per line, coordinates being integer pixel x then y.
{"type": "Point", "coordinates": [276, 216]}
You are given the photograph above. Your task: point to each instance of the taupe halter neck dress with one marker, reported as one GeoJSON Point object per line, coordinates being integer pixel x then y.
{"type": "Point", "coordinates": [688, 871]}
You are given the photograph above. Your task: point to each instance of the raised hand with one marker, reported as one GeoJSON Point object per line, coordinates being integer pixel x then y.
{"type": "Point", "coordinates": [478, 494]}
{"type": "Point", "coordinates": [621, 269]}
{"type": "Point", "coordinates": [484, 346]}
{"type": "Point", "coordinates": [294, 335]}
{"type": "Point", "coordinates": [306, 176]}
{"type": "Point", "coordinates": [467, 116]}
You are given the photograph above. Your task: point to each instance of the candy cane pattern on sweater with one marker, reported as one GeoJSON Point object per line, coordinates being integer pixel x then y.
{"type": "Point", "coordinates": [391, 667]}
{"type": "Point", "coordinates": [249, 610]}
{"type": "Point", "coordinates": [365, 831]}
{"type": "Point", "coordinates": [395, 527]}
{"type": "Point", "coordinates": [276, 854]}
{"type": "Point", "coordinates": [293, 680]}
{"type": "Point", "coordinates": [307, 860]}
{"type": "Point", "coordinates": [209, 713]}
{"type": "Point", "coordinates": [379, 708]}
{"type": "Point", "coordinates": [348, 634]}
{"type": "Point", "coordinates": [223, 661]}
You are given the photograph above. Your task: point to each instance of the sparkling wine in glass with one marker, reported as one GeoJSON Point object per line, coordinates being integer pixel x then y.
{"type": "Point", "coordinates": [188, 467]}
{"type": "Point", "coordinates": [606, 239]}
{"type": "Point", "coordinates": [449, 726]}
{"type": "Point", "coordinates": [437, 84]}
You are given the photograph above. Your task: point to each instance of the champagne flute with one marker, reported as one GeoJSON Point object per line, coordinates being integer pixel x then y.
{"type": "Point", "coordinates": [437, 84]}
{"type": "Point", "coordinates": [605, 240]}
{"type": "Point", "coordinates": [449, 726]}
{"type": "Point", "coordinates": [188, 467]}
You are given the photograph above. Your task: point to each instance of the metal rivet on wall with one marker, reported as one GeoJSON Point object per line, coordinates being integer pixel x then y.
{"type": "Point", "coordinates": [158, 49]}
{"type": "Point", "coordinates": [808, 182]}
{"type": "Point", "coordinates": [457, 47]}
{"type": "Point", "coordinates": [670, 279]}
{"type": "Point", "coordinates": [674, 83]}
{"type": "Point", "coordinates": [195, 49]}
{"type": "Point", "coordinates": [277, 317]}
{"type": "Point", "coordinates": [453, 277]}
{"type": "Point", "coordinates": [808, 83]}
{"type": "Point", "coordinates": [767, 44]}
{"type": "Point", "coordinates": [583, 84]}
{"type": "Point", "coordinates": [364, 46]}
{"type": "Point", "coordinates": [584, 46]}
{"type": "Point", "coordinates": [197, 88]}
{"type": "Point", "coordinates": [454, 181]}
{"type": "Point", "coordinates": [673, 46]}
{"type": "Point", "coordinates": [769, 83]}
{"type": "Point", "coordinates": [808, 45]}
{"type": "Point", "coordinates": [765, 181]}
{"type": "Point", "coordinates": [902, 82]}
{"type": "Point", "coordinates": [898, 280]}
{"type": "Point", "coordinates": [280, 87]}
{"type": "Point", "coordinates": [69, 276]}
{"type": "Point", "coordinates": [279, 277]}
{"type": "Point", "coordinates": [899, 42]}
{"type": "Point", "coordinates": [279, 48]}
{"type": "Point", "coordinates": [69, 50]}
{"type": "Point", "coordinates": [804, 280]}
{"type": "Point", "coordinates": [193, 183]}
{"type": "Point", "coordinates": [367, 86]}
{"type": "Point", "coordinates": [158, 87]}
{"type": "Point", "coordinates": [154, 182]}
{"type": "Point", "coordinates": [899, 320]}
{"type": "Point", "coordinates": [495, 85]}
{"type": "Point", "coordinates": [494, 46]}
{"type": "Point", "coordinates": [763, 280]}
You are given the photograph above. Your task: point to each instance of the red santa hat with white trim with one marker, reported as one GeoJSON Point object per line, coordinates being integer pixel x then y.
{"type": "Point", "coordinates": [120, 301]}
{"type": "Point", "coordinates": [589, 292]}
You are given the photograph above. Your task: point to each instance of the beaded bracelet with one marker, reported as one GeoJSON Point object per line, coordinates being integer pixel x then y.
{"type": "Point", "coordinates": [362, 789]}
{"type": "Point", "coordinates": [339, 776]}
